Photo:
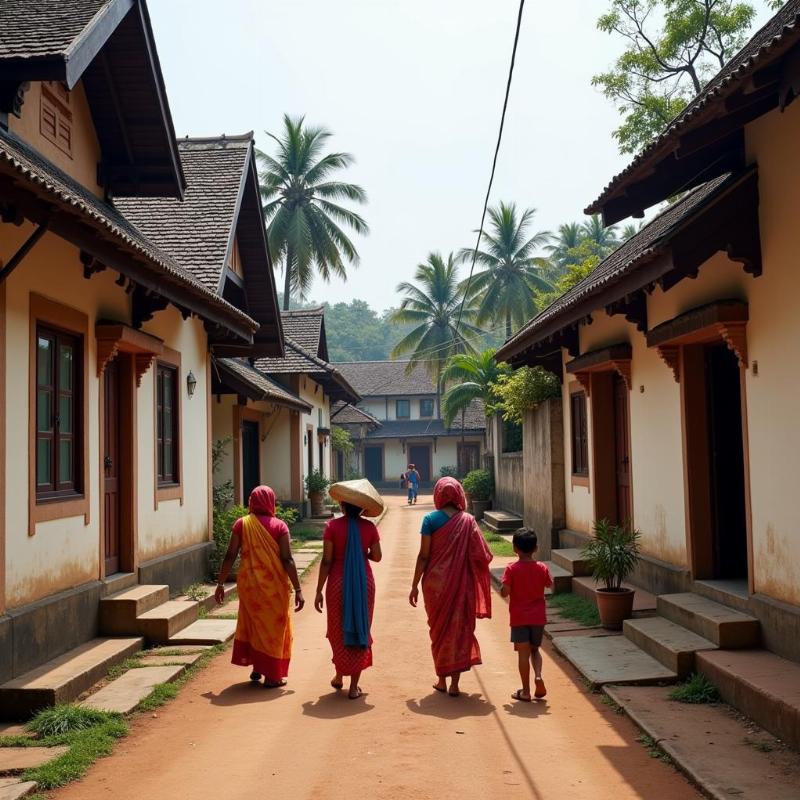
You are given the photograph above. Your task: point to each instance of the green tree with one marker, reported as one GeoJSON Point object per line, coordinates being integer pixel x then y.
{"type": "Point", "coordinates": [568, 237]}
{"type": "Point", "coordinates": [302, 207]}
{"type": "Point", "coordinates": [432, 307]}
{"type": "Point", "coordinates": [470, 377]}
{"type": "Point", "coordinates": [630, 230]}
{"type": "Point", "coordinates": [581, 261]}
{"type": "Point", "coordinates": [357, 333]}
{"type": "Point", "coordinates": [524, 389]}
{"type": "Point", "coordinates": [672, 49]}
{"type": "Point", "coordinates": [510, 272]}
{"type": "Point", "coordinates": [605, 237]}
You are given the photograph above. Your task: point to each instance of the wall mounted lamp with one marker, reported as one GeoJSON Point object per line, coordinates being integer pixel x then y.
{"type": "Point", "coordinates": [191, 383]}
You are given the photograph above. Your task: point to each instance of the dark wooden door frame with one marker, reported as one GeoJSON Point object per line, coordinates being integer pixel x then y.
{"type": "Point", "coordinates": [466, 446]}
{"type": "Point", "coordinates": [128, 526]}
{"type": "Point", "coordinates": [429, 447]}
{"type": "Point", "coordinates": [383, 459]}
{"type": "Point", "coordinates": [252, 425]}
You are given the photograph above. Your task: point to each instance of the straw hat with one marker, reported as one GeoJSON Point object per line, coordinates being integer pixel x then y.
{"type": "Point", "coordinates": [359, 493]}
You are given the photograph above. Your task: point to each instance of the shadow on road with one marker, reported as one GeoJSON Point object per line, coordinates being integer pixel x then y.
{"type": "Point", "coordinates": [533, 709]}
{"type": "Point", "coordinates": [446, 707]}
{"type": "Point", "coordinates": [337, 706]}
{"type": "Point", "coordinates": [241, 693]}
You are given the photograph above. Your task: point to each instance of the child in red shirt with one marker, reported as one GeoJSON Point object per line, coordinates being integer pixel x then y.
{"type": "Point", "coordinates": [524, 583]}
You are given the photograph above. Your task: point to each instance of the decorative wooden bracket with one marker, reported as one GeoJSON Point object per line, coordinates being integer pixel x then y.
{"type": "Point", "coordinates": [143, 362]}
{"type": "Point", "coordinates": [116, 338]}
{"type": "Point", "coordinates": [107, 350]}
{"type": "Point", "coordinates": [623, 369]}
{"type": "Point", "coordinates": [91, 265]}
{"type": "Point", "coordinates": [734, 334]}
{"type": "Point", "coordinates": [671, 356]}
{"type": "Point", "coordinates": [585, 380]}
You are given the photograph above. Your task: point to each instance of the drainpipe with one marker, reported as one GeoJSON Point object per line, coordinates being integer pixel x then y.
{"type": "Point", "coordinates": [24, 249]}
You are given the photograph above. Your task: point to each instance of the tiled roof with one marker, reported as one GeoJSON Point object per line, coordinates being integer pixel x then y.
{"type": "Point", "coordinates": [17, 158]}
{"type": "Point", "coordinates": [474, 423]}
{"type": "Point", "coordinates": [780, 32]}
{"type": "Point", "coordinates": [347, 414]}
{"type": "Point", "coordinates": [197, 230]}
{"type": "Point", "coordinates": [263, 387]}
{"type": "Point", "coordinates": [37, 29]}
{"type": "Point", "coordinates": [639, 249]}
{"type": "Point", "coordinates": [305, 326]}
{"type": "Point", "coordinates": [379, 378]}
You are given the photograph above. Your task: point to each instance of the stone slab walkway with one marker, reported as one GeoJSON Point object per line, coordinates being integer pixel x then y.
{"type": "Point", "coordinates": [611, 659]}
{"type": "Point", "coordinates": [720, 751]}
{"type": "Point", "coordinates": [164, 661]}
{"type": "Point", "coordinates": [13, 789]}
{"type": "Point", "coordinates": [127, 691]}
{"type": "Point", "coordinates": [17, 759]}
{"type": "Point", "coordinates": [206, 631]}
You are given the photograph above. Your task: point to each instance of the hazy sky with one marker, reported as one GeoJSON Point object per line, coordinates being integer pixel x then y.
{"type": "Point", "coordinates": [413, 88]}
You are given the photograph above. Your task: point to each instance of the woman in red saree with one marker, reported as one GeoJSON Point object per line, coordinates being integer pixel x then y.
{"type": "Point", "coordinates": [453, 564]}
{"type": "Point", "coordinates": [266, 576]}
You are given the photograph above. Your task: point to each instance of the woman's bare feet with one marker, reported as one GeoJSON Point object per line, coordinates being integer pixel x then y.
{"type": "Point", "coordinates": [440, 685]}
{"type": "Point", "coordinates": [354, 693]}
{"type": "Point", "coordinates": [337, 681]}
{"type": "Point", "coordinates": [453, 691]}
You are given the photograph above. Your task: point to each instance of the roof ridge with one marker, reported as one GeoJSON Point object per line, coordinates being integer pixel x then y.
{"type": "Point", "coordinates": [222, 139]}
{"type": "Point", "coordinates": [378, 361]}
{"type": "Point", "coordinates": [320, 309]}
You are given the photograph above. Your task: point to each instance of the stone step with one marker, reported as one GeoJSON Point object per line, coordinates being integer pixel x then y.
{"type": "Point", "coordinates": [118, 612]}
{"type": "Point", "coordinates": [127, 691]}
{"type": "Point", "coordinates": [644, 603]}
{"type": "Point", "coordinates": [161, 623]}
{"type": "Point", "coordinates": [64, 678]}
{"type": "Point", "coordinates": [725, 627]}
{"type": "Point", "coordinates": [206, 631]}
{"type": "Point", "coordinates": [562, 579]}
{"type": "Point", "coordinates": [761, 685]}
{"type": "Point", "coordinates": [14, 789]}
{"type": "Point", "coordinates": [15, 760]}
{"type": "Point", "coordinates": [571, 560]}
{"type": "Point", "coordinates": [612, 659]}
{"type": "Point", "coordinates": [502, 520]}
{"type": "Point", "coordinates": [671, 644]}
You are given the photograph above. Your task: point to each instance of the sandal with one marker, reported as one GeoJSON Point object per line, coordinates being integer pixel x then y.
{"type": "Point", "coordinates": [442, 689]}
{"type": "Point", "coordinates": [519, 696]}
{"type": "Point", "coordinates": [255, 676]}
{"type": "Point", "coordinates": [541, 691]}
{"type": "Point", "coordinates": [274, 684]}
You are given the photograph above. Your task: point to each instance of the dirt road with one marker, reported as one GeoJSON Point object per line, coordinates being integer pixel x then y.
{"type": "Point", "coordinates": [224, 738]}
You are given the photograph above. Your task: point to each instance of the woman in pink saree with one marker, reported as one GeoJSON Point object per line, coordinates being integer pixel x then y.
{"type": "Point", "coordinates": [453, 563]}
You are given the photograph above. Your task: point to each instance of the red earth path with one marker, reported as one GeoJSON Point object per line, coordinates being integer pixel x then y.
{"type": "Point", "coordinates": [224, 738]}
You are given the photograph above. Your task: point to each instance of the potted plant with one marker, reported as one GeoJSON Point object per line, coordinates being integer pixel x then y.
{"type": "Point", "coordinates": [316, 486]}
{"type": "Point", "coordinates": [612, 555]}
{"type": "Point", "coordinates": [479, 485]}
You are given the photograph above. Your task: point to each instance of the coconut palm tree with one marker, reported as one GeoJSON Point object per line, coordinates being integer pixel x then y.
{"type": "Point", "coordinates": [432, 305]}
{"type": "Point", "coordinates": [471, 377]}
{"type": "Point", "coordinates": [302, 209]}
{"type": "Point", "coordinates": [604, 237]}
{"type": "Point", "coordinates": [510, 274]}
{"type": "Point", "coordinates": [569, 236]}
{"type": "Point", "coordinates": [630, 230]}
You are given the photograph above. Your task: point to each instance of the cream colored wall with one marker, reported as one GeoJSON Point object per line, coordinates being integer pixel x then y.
{"type": "Point", "coordinates": [377, 406]}
{"type": "Point", "coordinates": [62, 553]}
{"type": "Point", "coordinates": [276, 457]}
{"type": "Point", "coordinates": [445, 454]}
{"type": "Point", "coordinates": [314, 395]}
{"type": "Point", "coordinates": [175, 524]}
{"type": "Point", "coordinates": [82, 165]}
{"type": "Point", "coordinates": [222, 428]}
{"type": "Point", "coordinates": [579, 501]}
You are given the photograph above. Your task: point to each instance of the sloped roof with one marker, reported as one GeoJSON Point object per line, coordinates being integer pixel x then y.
{"type": "Point", "coordinates": [347, 414]}
{"type": "Point", "coordinates": [646, 245]}
{"type": "Point", "coordinates": [40, 176]}
{"type": "Point", "coordinates": [379, 378]}
{"type": "Point", "coordinates": [474, 422]}
{"type": "Point", "coordinates": [261, 386]}
{"type": "Point", "coordinates": [197, 231]}
{"type": "Point", "coordinates": [773, 39]}
{"type": "Point", "coordinates": [307, 327]}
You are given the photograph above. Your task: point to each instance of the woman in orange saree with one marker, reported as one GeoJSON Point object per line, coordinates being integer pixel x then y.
{"type": "Point", "coordinates": [453, 564]}
{"type": "Point", "coordinates": [266, 575]}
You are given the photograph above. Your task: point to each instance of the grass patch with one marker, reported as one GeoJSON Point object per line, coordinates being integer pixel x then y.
{"type": "Point", "coordinates": [607, 700]}
{"type": "Point", "coordinates": [497, 544]}
{"type": "Point", "coordinates": [67, 718]}
{"type": "Point", "coordinates": [696, 689]}
{"type": "Point", "coordinates": [196, 591]}
{"type": "Point", "coordinates": [576, 608]}
{"type": "Point", "coordinates": [232, 615]}
{"type": "Point", "coordinates": [131, 662]}
{"type": "Point", "coordinates": [306, 533]}
{"type": "Point", "coordinates": [653, 748]}
{"type": "Point", "coordinates": [759, 744]}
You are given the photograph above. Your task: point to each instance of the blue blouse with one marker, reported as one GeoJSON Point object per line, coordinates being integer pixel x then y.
{"type": "Point", "coordinates": [433, 521]}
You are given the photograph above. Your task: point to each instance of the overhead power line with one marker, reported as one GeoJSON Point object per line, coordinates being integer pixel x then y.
{"type": "Point", "coordinates": [494, 161]}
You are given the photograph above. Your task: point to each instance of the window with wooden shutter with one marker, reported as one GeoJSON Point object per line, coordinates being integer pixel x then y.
{"type": "Point", "coordinates": [580, 434]}
{"type": "Point", "coordinates": [167, 443]}
{"type": "Point", "coordinates": [55, 118]}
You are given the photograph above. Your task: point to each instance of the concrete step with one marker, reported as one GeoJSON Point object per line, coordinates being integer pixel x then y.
{"type": "Point", "coordinates": [612, 659]}
{"type": "Point", "coordinates": [64, 678]}
{"type": "Point", "coordinates": [562, 579]}
{"type": "Point", "coordinates": [572, 540]}
{"type": "Point", "coordinates": [725, 627]}
{"type": "Point", "coordinates": [761, 685]}
{"type": "Point", "coordinates": [206, 631]}
{"type": "Point", "coordinates": [571, 560]}
{"type": "Point", "coordinates": [502, 520]}
{"type": "Point", "coordinates": [118, 612]}
{"type": "Point", "coordinates": [161, 623]}
{"type": "Point", "coordinates": [671, 644]}
{"type": "Point", "coordinates": [644, 603]}
{"type": "Point", "coordinates": [14, 788]}
{"type": "Point", "coordinates": [127, 691]}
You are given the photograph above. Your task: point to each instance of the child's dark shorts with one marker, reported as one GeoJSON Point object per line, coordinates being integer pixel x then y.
{"type": "Point", "coordinates": [527, 634]}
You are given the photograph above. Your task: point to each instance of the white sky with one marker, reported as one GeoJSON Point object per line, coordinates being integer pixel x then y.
{"type": "Point", "coordinates": [413, 88]}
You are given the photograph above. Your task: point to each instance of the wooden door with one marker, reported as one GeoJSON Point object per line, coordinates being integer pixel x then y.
{"type": "Point", "coordinates": [373, 464]}
{"type": "Point", "coordinates": [622, 451]}
{"type": "Point", "coordinates": [251, 463]}
{"type": "Point", "coordinates": [112, 465]}
{"type": "Point", "coordinates": [469, 456]}
{"type": "Point", "coordinates": [420, 456]}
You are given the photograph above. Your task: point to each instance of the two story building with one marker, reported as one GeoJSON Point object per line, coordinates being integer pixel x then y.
{"type": "Point", "coordinates": [400, 425]}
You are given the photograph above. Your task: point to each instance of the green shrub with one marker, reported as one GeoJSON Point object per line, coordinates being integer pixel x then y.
{"type": "Point", "coordinates": [223, 525]}
{"type": "Point", "coordinates": [316, 482]}
{"type": "Point", "coordinates": [696, 689]}
{"type": "Point", "coordinates": [341, 441]}
{"type": "Point", "coordinates": [67, 718]}
{"type": "Point", "coordinates": [287, 514]}
{"type": "Point", "coordinates": [479, 484]}
{"type": "Point", "coordinates": [448, 472]}
{"type": "Point", "coordinates": [525, 389]}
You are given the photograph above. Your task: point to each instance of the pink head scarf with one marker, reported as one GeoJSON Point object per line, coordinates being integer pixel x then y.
{"type": "Point", "coordinates": [262, 501]}
{"type": "Point", "coordinates": [449, 492]}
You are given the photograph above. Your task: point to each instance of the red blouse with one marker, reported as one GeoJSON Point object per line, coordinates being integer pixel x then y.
{"type": "Point", "coordinates": [336, 532]}
{"type": "Point", "coordinates": [277, 528]}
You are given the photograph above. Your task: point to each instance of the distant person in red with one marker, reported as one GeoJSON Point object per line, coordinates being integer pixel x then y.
{"type": "Point", "coordinates": [524, 583]}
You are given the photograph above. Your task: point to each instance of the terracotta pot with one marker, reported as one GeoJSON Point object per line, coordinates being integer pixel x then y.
{"type": "Point", "coordinates": [614, 607]}
{"type": "Point", "coordinates": [317, 500]}
{"type": "Point", "coordinates": [479, 507]}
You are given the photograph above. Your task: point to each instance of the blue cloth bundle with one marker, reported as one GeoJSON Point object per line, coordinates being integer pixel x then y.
{"type": "Point", "coordinates": [355, 609]}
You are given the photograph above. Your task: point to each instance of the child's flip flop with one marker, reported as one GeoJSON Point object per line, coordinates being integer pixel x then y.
{"type": "Point", "coordinates": [541, 691]}
{"type": "Point", "coordinates": [518, 696]}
